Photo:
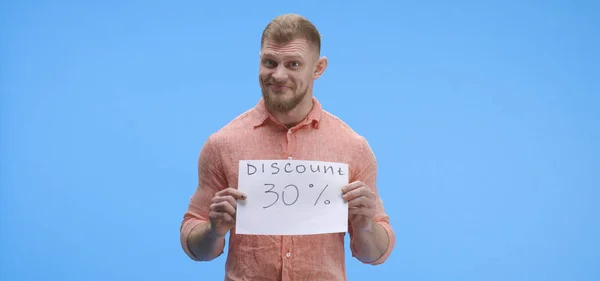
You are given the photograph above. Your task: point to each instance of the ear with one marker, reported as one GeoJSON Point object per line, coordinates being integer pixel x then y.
{"type": "Point", "coordinates": [320, 67]}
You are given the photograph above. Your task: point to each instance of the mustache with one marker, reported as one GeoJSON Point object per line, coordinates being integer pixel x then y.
{"type": "Point", "coordinates": [279, 84]}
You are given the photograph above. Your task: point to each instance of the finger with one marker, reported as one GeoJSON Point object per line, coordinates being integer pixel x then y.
{"type": "Point", "coordinates": [358, 192]}
{"type": "Point", "coordinates": [363, 211]}
{"type": "Point", "coordinates": [361, 201]}
{"type": "Point", "coordinates": [233, 193]}
{"type": "Point", "coordinates": [226, 198]}
{"type": "Point", "coordinates": [223, 207]}
{"type": "Point", "coordinates": [351, 186]}
{"type": "Point", "coordinates": [351, 195]}
{"type": "Point", "coordinates": [221, 217]}
{"type": "Point", "coordinates": [236, 194]}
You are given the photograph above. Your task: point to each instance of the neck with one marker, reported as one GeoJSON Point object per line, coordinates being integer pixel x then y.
{"type": "Point", "coordinates": [296, 115]}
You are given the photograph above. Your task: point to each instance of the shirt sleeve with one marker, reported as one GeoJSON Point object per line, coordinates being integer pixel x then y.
{"type": "Point", "coordinates": [366, 172]}
{"type": "Point", "coordinates": [211, 179]}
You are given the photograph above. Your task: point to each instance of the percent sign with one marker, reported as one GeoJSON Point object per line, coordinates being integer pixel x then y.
{"type": "Point", "coordinates": [272, 186]}
{"type": "Point", "coordinates": [326, 201]}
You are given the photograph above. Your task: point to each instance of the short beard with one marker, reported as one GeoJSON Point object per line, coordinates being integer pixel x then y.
{"type": "Point", "coordinates": [282, 105]}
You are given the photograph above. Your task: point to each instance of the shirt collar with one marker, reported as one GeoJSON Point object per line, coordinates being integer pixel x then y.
{"type": "Point", "coordinates": [262, 114]}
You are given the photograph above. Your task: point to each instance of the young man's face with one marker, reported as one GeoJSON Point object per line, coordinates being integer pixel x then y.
{"type": "Point", "coordinates": [287, 72]}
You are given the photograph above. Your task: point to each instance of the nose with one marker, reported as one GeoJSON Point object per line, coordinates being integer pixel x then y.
{"type": "Point", "coordinates": [280, 74]}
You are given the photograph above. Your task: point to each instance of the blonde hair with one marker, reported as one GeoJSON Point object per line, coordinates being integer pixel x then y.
{"type": "Point", "coordinates": [288, 27]}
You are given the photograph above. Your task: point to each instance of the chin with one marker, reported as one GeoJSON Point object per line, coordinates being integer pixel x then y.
{"type": "Point", "coordinates": [281, 93]}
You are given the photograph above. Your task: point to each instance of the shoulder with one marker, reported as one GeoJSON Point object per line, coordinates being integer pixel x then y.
{"type": "Point", "coordinates": [355, 147]}
{"type": "Point", "coordinates": [353, 142]}
{"type": "Point", "coordinates": [243, 122]}
{"type": "Point", "coordinates": [234, 129]}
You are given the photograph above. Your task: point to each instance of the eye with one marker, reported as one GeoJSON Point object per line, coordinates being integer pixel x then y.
{"type": "Point", "coordinates": [294, 64]}
{"type": "Point", "coordinates": [269, 63]}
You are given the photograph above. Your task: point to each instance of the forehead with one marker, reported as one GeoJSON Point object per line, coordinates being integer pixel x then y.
{"type": "Point", "coordinates": [294, 48]}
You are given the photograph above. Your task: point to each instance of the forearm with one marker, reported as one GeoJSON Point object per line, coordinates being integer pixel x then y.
{"type": "Point", "coordinates": [371, 243]}
{"type": "Point", "coordinates": [204, 244]}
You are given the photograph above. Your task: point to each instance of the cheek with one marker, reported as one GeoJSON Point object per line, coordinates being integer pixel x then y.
{"type": "Point", "coordinates": [263, 72]}
{"type": "Point", "coordinates": [262, 76]}
{"type": "Point", "coordinates": [300, 79]}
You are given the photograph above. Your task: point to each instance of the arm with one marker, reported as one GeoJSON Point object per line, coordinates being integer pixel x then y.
{"type": "Point", "coordinates": [373, 243]}
{"type": "Point", "coordinates": [197, 239]}
{"type": "Point", "coordinates": [204, 244]}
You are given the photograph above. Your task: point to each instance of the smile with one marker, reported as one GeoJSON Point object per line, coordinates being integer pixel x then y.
{"type": "Point", "coordinates": [278, 87]}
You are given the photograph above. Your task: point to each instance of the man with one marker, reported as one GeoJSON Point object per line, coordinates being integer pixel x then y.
{"type": "Point", "coordinates": [288, 122]}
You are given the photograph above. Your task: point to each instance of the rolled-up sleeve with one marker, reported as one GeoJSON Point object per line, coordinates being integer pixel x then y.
{"type": "Point", "coordinates": [366, 171]}
{"type": "Point", "coordinates": [211, 179]}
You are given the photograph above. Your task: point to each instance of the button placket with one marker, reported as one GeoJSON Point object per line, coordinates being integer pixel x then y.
{"type": "Point", "coordinates": [289, 144]}
{"type": "Point", "coordinates": [286, 254]}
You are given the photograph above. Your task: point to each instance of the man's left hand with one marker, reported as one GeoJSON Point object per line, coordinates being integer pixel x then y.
{"type": "Point", "coordinates": [361, 205]}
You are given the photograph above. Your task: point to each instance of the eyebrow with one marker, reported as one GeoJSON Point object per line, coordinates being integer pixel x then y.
{"type": "Point", "coordinates": [288, 56]}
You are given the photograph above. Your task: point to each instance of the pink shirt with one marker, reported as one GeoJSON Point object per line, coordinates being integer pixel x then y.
{"type": "Point", "coordinates": [255, 135]}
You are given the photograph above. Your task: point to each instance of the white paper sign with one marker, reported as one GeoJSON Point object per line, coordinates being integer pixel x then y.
{"type": "Point", "coordinates": [291, 197]}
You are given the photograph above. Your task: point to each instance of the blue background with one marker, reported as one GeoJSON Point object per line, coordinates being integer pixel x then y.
{"type": "Point", "coordinates": [484, 118]}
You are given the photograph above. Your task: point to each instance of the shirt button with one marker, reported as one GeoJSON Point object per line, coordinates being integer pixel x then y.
{"type": "Point", "coordinates": [288, 255]}
{"type": "Point", "coordinates": [290, 131]}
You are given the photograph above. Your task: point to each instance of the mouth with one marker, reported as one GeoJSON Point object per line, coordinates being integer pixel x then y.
{"type": "Point", "coordinates": [276, 87]}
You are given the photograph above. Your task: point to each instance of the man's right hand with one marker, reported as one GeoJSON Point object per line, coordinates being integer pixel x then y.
{"type": "Point", "coordinates": [223, 208]}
